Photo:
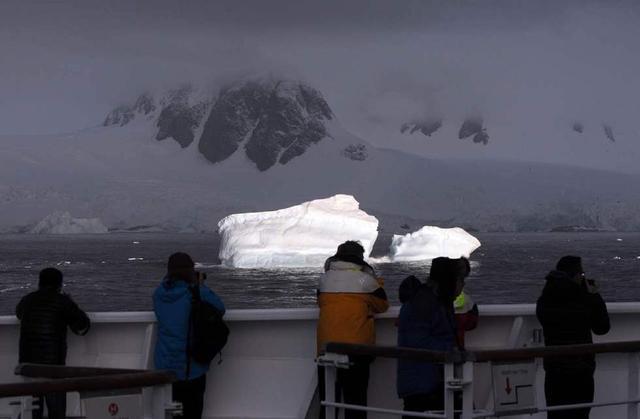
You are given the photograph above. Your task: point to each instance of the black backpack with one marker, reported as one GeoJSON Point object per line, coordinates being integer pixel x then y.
{"type": "Point", "coordinates": [208, 333]}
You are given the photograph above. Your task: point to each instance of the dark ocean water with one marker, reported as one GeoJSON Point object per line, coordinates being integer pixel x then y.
{"type": "Point", "coordinates": [118, 272]}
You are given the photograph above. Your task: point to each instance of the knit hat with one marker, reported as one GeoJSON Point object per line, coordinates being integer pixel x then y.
{"type": "Point", "coordinates": [179, 262]}
{"type": "Point", "coordinates": [572, 265]}
{"type": "Point", "coordinates": [350, 249]}
{"type": "Point", "coordinates": [50, 278]}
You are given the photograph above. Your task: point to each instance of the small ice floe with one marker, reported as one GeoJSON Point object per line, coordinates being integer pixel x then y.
{"type": "Point", "coordinates": [136, 242]}
{"type": "Point", "coordinates": [63, 262]}
{"type": "Point", "coordinates": [380, 260]}
{"type": "Point", "coordinates": [199, 265]}
{"type": "Point", "coordinates": [638, 257]}
{"type": "Point", "coordinates": [29, 266]}
{"type": "Point", "coordinates": [3, 290]}
{"type": "Point", "coordinates": [618, 240]}
{"type": "Point", "coordinates": [103, 262]}
{"type": "Point", "coordinates": [134, 259]}
{"type": "Point", "coordinates": [617, 258]}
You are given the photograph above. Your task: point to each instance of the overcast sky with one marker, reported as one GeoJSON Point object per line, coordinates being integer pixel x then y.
{"type": "Point", "coordinates": [530, 68]}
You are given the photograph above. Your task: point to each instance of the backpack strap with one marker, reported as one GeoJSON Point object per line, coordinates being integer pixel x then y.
{"type": "Point", "coordinates": [195, 299]}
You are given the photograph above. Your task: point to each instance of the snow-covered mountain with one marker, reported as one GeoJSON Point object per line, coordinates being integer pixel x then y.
{"type": "Point", "coordinates": [270, 121]}
{"type": "Point", "coordinates": [183, 159]}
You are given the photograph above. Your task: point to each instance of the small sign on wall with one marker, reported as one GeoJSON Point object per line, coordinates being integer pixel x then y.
{"type": "Point", "coordinates": [114, 407]}
{"type": "Point", "coordinates": [514, 388]}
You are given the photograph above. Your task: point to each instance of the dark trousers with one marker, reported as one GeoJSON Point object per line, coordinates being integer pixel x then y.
{"type": "Point", "coordinates": [191, 394]}
{"type": "Point", "coordinates": [56, 406]}
{"type": "Point", "coordinates": [430, 401]}
{"type": "Point", "coordinates": [351, 387]}
{"type": "Point", "coordinates": [569, 388]}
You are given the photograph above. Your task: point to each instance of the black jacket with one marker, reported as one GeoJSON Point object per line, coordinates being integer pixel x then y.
{"type": "Point", "coordinates": [569, 314]}
{"type": "Point", "coordinates": [44, 317]}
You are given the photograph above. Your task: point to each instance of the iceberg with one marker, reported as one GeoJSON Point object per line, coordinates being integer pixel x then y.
{"type": "Point", "coordinates": [300, 236]}
{"type": "Point", "coordinates": [431, 242]}
{"type": "Point", "coordinates": [64, 223]}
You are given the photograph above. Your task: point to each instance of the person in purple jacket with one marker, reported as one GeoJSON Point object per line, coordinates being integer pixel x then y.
{"type": "Point", "coordinates": [172, 305]}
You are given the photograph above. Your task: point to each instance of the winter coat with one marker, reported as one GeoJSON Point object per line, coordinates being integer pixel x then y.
{"type": "Point", "coordinates": [172, 305]}
{"type": "Point", "coordinates": [425, 322]}
{"type": "Point", "coordinates": [568, 314]}
{"type": "Point", "coordinates": [467, 315]}
{"type": "Point", "coordinates": [44, 317]}
{"type": "Point", "coordinates": [348, 296]}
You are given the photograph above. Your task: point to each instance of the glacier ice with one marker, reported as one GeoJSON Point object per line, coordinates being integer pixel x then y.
{"type": "Point", "coordinates": [64, 223]}
{"type": "Point", "coordinates": [300, 236]}
{"type": "Point", "coordinates": [431, 242]}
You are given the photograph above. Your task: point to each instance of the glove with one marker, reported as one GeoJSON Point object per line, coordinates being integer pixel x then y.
{"type": "Point", "coordinates": [592, 287]}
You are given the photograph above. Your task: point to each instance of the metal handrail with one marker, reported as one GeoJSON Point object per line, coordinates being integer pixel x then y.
{"type": "Point", "coordinates": [62, 371]}
{"type": "Point", "coordinates": [491, 355]}
{"type": "Point", "coordinates": [115, 381]}
{"type": "Point", "coordinates": [467, 359]}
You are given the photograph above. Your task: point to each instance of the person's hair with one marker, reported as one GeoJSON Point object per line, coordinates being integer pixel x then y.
{"type": "Point", "coordinates": [444, 273]}
{"type": "Point", "coordinates": [50, 279]}
{"type": "Point", "coordinates": [571, 265]}
{"type": "Point", "coordinates": [351, 249]}
{"type": "Point", "coordinates": [180, 266]}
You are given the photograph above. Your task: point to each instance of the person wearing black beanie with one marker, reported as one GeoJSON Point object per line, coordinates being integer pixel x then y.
{"type": "Point", "coordinates": [570, 310]}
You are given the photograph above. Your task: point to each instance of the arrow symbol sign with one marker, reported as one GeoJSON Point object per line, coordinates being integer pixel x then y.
{"type": "Point", "coordinates": [508, 386]}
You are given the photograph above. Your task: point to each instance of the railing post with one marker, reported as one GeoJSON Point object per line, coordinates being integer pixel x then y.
{"type": "Point", "coordinates": [467, 390]}
{"type": "Point", "coordinates": [632, 385]}
{"type": "Point", "coordinates": [330, 376]}
{"type": "Point", "coordinates": [27, 406]}
{"type": "Point", "coordinates": [449, 395]}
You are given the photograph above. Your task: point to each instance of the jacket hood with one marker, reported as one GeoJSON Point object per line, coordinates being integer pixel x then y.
{"type": "Point", "coordinates": [557, 275]}
{"type": "Point", "coordinates": [560, 284]}
{"type": "Point", "coordinates": [172, 290]}
{"type": "Point", "coordinates": [347, 277]}
{"type": "Point", "coordinates": [364, 266]}
{"type": "Point", "coordinates": [408, 288]}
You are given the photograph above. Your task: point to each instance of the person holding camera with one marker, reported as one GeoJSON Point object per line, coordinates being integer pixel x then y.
{"type": "Point", "coordinates": [44, 318]}
{"type": "Point", "coordinates": [172, 304]}
{"type": "Point", "coordinates": [570, 310]}
{"type": "Point", "coordinates": [349, 296]}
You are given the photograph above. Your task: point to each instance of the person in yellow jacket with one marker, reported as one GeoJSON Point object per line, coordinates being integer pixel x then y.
{"type": "Point", "coordinates": [349, 295]}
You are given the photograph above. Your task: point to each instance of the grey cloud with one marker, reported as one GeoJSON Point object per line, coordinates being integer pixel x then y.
{"type": "Point", "coordinates": [65, 64]}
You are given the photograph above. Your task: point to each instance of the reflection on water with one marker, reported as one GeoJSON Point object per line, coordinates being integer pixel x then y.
{"type": "Point", "coordinates": [120, 271]}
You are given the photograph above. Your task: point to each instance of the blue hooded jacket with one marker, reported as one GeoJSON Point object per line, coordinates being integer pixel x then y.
{"type": "Point", "coordinates": [172, 305]}
{"type": "Point", "coordinates": [425, 322]}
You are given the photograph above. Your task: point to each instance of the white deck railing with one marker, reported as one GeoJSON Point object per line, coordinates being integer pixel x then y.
{"type": "Point", "coordinates": [458, 376]}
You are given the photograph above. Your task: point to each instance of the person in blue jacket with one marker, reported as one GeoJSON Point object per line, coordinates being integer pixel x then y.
{"type": "Point", "coordinates": [172, 306]}
{"type": "Point", "coordinates": [427, 321]}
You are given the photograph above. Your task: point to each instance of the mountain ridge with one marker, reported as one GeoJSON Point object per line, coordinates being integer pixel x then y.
{"type": "Point", "coordinates": [122, 174]}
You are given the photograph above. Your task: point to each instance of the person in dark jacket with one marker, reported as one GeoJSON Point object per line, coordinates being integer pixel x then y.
{"type": "Point", "coordinates": [427, 322]}
{"type": "Point", "coordinates": [172, 306]}
{"type": "Point", "coordinates": [570, 310]}
{"type": "Point", "coordinates": [44, 317]}
{"type": "Point", "coordinates": [349, 295]}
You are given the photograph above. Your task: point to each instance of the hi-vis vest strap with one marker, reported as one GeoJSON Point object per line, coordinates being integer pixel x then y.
{"type": "Point", "coordinates": [346, 277]}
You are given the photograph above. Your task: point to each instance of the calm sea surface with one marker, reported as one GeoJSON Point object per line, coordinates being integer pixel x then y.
{"type": "Point", "coordinates": [118, 272]}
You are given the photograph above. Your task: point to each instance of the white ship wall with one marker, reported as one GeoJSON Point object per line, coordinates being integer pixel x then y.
{"type": "Point", "coordinates": [268, 368]}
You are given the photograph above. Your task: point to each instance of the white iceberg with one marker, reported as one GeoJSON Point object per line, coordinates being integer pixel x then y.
{"type": "Point", "coordinates": [300, 236]}
{"type": "Point", "coordinates": [64, 223]}
{"type": "Point", "coordinates": [431, 242]}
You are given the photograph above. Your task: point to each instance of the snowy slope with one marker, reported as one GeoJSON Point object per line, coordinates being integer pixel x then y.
{"type": "Point", "coordinates": [127, 178]}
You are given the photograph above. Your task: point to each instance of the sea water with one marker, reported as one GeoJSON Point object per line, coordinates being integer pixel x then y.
{"type": "Point", "coordinates": [118, 272]}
